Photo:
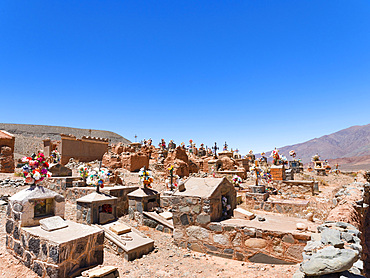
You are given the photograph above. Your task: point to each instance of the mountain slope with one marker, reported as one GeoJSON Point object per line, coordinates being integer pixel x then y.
{"type": "Point", "coordinates": [28, 138]}
{"type": "Point", "coordinates": [350, 142]}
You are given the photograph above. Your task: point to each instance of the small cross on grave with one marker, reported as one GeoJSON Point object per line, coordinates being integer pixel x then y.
{"type": "Point", "coordinates": [135, 138]}
{"type": "Point", "coordinates": [171, 178]}
{"type": "Point", "coordinates": [225, 146]}
{"type": "Point", "coordinates": [98, 184]}
{"type": "Point", "coordinates": [215, 148]}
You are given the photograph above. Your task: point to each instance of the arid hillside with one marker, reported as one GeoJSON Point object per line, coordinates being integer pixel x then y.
{"type": "Point", "coordinates": [29, 137]}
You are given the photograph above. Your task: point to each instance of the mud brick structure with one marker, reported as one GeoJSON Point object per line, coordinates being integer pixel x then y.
{"type": "Point", "coordinates": [85, 149]}
{"type": "Point", "coordinates": [59, 251]}
{"type": "Point", "coordinates": [6, 152]}
{"type": "Point", "coordinates": [277, 172]}
{"type": "Point", "coordinates": [134, 162]}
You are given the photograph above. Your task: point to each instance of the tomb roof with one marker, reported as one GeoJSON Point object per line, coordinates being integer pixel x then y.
{"type": "Point", "coordinates": [6, 135]}
{"type": "Point", "coordinates": [95, 197]}
{"type": "Point", "coordinates": [200, 187]}
{"type": "Point", "coordinates": [142, 192]}
{"type": "Point", "coordinates": [35, 193]}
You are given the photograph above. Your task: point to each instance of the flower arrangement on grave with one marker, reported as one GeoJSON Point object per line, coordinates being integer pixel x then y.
{"type": "Point", "coordinates": [275, 156]}
{"type": "Point", "coordinates": [236, 180]}
{"type": "Point", "coordinates": [35, 168]}
{"type": "Point", "coordinates": [55, 156]}
{"type": "Point", "coordinates": [293, 154]}
{"type": "Point", "coordinates": [84, 171]}
{"type": "Point", "coordinates": [146, 177]}
{"type": "Point", "coordinates": [97, 177]}
{"type": "Point", "coordinates": [225, 206]}
{"type": "Point", "coordinates": [316, 157]}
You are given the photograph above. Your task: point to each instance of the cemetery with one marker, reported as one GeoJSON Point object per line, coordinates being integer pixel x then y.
{"type": "Point", "coordinates": [83, 199]}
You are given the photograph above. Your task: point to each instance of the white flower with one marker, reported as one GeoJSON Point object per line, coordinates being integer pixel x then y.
{"type": "Point", "coordinates": [36, 176]}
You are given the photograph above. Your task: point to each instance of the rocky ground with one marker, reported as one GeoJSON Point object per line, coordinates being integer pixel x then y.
{"type": "Point", "coordinates": [167, 260]}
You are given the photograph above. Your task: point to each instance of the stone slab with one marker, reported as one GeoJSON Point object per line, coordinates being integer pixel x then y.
{"type": "Point", "coordinates": [266, 259]}
{"type": "Point", "coordinates": [53, 223]}
{"type": "Point", "coordinates": [244, 214]}
{"type": "Point", "coordinates": [72, 232]}
{"type": "Point", "coordinates": [99, 272]}
{"type": "Point", "coordinates": [120, 228]}
{"type": "Point", "coordinates": [166, 215]}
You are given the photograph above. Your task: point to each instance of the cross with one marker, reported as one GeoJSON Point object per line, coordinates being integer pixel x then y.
{"type": "Point", "coordinates": [171, 177]}
{"type": "Point", "coordinates": [135, 137]}
{"type": "Point", "coordinates": [237, 151]}
{"type": "Point", "coordinates": [225, 146]}
{"type": "Point", "coordinates": [97, 185]}
{"type": "Point", "coordinates": [215, 148]}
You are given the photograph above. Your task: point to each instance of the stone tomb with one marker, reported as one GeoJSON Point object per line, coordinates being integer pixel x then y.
{"type": "Point", "coordinates": [143, 199]}
{"type": "Point", "coordinates": [217, 195]}
{"type": "Point", "coordinates": [55, 248]}
{"type": "Point", "coordinates": [96, 208]}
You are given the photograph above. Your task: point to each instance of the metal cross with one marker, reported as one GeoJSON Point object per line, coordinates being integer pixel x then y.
{"type": "Point", "coordinates": [215, 148]}
{"type": "Point", "coordinates": [225, 146]}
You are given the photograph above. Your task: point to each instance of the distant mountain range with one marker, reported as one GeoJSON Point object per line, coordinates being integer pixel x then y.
{"type": "Point", "coordinates": [28, 138]}
{"type": "Point", "coordinates": [350, 143]}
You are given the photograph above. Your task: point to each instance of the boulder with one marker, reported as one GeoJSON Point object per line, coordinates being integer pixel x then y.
{"type": "Point", "coordinates": [329, 260]}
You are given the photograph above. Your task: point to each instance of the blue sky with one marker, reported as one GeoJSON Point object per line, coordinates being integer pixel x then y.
{"type": "Point", "coordinates": [257, 74]}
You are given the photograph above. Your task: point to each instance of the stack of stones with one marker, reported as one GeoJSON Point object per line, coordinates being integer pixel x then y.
{"type": "Point", "coordinates": [333, 252]}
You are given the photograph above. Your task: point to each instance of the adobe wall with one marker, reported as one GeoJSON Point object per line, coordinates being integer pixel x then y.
{"type": "Point", "coordinates": [85, 149]}
{"type": "Point", "coordinates": [7, 155]}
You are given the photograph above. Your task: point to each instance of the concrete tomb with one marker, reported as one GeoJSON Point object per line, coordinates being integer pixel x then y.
{"type": "Point", "coordinates": [143, 199]}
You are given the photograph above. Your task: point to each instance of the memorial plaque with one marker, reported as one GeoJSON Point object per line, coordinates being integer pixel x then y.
{"type": "Point", "coordinates": [53, 223]}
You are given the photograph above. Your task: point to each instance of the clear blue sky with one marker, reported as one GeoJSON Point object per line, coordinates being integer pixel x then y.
{"type": "Point", "coordinates": [257, 74]}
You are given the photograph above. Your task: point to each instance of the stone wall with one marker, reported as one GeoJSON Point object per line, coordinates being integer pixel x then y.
{"type": "Point", "coordinates": [296, 189]}
{"type": "Point", "coordinates": [193, 229]}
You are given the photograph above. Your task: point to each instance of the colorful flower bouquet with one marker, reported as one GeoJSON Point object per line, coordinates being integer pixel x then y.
{"type": "Point", "coordinates": [83, 171]}
{"type": "Point", "coordinates": [55, 155]}
{"type": "Point", "coordinates": [97, 177]}
{"type": "Point", "coordinates": [36, 168]}
{"type": "Point", "coordinates": [292, 154]}
{"type": "Point", "coordinates": [146, 177]}
{"type": "Point", "coordinates": [236, 180]}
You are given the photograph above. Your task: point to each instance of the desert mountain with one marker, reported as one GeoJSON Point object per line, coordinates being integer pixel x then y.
{"type": "Point", "coordinates": [28, 138]}
{"type": "Point", "coordinates": [350, 142]}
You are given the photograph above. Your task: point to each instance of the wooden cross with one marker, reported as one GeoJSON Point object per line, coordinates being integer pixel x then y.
{"type": "Point", "coordinates": [225, 146]}
{"type": "Point", "coordinates": [215, 148]}
{"type": "Point", "coordinates": [171, 178]}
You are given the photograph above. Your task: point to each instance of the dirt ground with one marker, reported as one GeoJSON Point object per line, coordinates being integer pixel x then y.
{"type": "Point", "coordinates": [167, 260]}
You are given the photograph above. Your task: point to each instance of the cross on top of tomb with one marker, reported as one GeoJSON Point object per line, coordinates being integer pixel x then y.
{"type": "Point", "coordinates": [215, 148]}
{"type": "Point", "coordinates": [225, 146]}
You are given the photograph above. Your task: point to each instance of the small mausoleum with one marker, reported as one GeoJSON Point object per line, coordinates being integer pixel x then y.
{"type": "Point", "coordinates": [143, 199]}
{"type": "Point", "coordinates": [96, 208]}
{"type": "Point", "coordinates": [218, 193]}
{"type": "Point", "coordinates": [42, 240]}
